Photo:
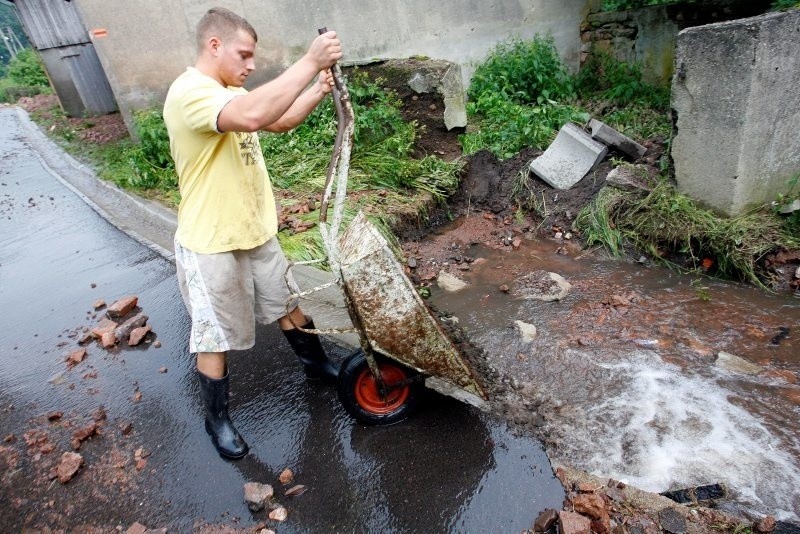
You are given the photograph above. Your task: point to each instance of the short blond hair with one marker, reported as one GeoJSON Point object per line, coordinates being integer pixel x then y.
{"type": "Point", "coordinates": [222, 23]}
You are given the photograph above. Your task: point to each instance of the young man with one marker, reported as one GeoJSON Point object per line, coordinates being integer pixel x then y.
{"type": "Point", "coordinates": [229, 264]}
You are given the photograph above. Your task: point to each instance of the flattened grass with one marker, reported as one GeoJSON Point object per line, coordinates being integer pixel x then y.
{"type": "Point", "coordinates": [664, 221]}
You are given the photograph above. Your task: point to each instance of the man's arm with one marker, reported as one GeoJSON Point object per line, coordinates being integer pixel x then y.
{"type": "Point", "coordinates": [268, 104]}
{"type": "Point", "coordinates": [304, 105]}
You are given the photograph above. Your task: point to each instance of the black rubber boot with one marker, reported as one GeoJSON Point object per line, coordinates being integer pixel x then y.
{"type": "Point", "coordinates": [310, 351]}
{"type": "Point", "coordinates": [224, 436]}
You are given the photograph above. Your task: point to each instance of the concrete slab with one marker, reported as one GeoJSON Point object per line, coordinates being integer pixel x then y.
{"type": "Point", "coordinates": [609, 136]}
{"type": "Point", "coordinates": [573, 154]}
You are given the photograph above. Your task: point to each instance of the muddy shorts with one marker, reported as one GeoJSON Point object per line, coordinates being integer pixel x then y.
{"type": "Point", "coordinates": [226, 293]}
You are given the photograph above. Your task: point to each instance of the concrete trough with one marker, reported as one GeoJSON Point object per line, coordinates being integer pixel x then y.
{"type": "Point", "coordinates": [573, 154]}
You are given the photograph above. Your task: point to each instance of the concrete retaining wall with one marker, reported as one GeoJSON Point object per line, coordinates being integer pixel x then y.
{"type": "Point", "coordinates": [149, 42]}
{"type": "Point", "coordinates": [736, 98]}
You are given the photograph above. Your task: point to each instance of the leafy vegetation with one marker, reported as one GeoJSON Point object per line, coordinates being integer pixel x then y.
{"type": "Point", "coordinates": [25, 76]}
{"type": "Point", "coordinates": [622, 5]}
{"type": "Point", "coordinates": [9, 20]}
{"type": "Point", "coordinates": [522, 95]}
{"type": "Point", "coordinates": [513, 98]}
{"type": "Point", "coordinates": [778, 5]}
{"type": "Point", "coordinates": [150, 159]}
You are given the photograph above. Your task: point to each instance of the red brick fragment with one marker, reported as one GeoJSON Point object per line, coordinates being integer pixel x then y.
{"type": "Point", "coordinates": [76, 356]}
{"type": "Point", "coordinates": [108, 340]}
{"type": "Point", "coordinates": [105, 325]}
{"type": "Point", "coordinates": [138, 334]}
{"type": "Point", "coordinates": [70, 463]}
{"type": "Point", "coordinates": [122, 306]}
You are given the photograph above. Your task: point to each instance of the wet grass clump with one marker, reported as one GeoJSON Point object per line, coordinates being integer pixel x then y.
{"type": "Point", "coordinates": [669, 225]}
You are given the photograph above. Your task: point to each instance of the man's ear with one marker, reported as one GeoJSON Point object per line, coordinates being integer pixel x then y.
{"type": "Point", "coordinates": [214, 44]}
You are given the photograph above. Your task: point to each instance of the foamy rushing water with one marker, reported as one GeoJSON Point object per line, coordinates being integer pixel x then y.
{"type": "Point", "coordinates": [669, 430]}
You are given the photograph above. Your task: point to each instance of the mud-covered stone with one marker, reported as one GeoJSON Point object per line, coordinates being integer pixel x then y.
{"type": "Point", "coordinates": [256, 495]}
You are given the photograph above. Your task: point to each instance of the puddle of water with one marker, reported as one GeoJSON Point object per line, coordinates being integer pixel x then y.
{"type": "Point", "coordinates": [635, 391]}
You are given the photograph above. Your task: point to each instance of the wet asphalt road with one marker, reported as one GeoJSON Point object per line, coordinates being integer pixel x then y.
{"type": "Point", "coordinates": [448, 469]}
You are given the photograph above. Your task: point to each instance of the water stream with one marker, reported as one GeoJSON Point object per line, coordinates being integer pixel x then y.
{"type": "Point", "coordinates": [644, 375]}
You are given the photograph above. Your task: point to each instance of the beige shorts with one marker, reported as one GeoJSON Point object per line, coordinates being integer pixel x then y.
{"type": "Point", "coordinates": [227, 293]}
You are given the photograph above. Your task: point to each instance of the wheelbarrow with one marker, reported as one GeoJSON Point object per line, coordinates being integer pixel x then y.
{"type": "Point", "coordinates": [403, 347]}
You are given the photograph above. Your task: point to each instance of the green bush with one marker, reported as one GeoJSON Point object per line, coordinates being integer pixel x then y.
{"type": "Point", "coordinates": [524, 72]}
{"type": "Point", "coordinates": [507, 127]}
{"type": "Point", "coordinates": [513, 98]}
{"type": "Point", "coordinates": [778, 5]}
{"type": "Point", "coordinates": [605, 77]}
{"type": "Point", "coordinates": [27, 70]}
{"type": "Point", "coordinates": [150, 158]}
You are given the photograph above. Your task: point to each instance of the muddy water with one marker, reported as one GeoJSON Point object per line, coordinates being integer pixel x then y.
{"type": "Point", "coordinates": [627, 373]}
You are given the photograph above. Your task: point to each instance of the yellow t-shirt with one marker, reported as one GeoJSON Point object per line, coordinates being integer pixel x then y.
{"type": "Point", "coordinates": [226, 196]}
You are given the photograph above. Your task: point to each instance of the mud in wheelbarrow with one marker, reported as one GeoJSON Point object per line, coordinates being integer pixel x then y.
{"type": "Point", "coordinates": [403, 347]}
{"type": "Point", "coordinates": [407, 343]}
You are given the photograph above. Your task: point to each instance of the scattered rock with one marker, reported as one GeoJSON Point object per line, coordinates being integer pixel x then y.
{"type": "Point", "coordinates": [54, 416]}
{"type": "Point", "coordinates": [125, 329]}
{"type": "Point", "coordinates": [76, 356]}
{"type": "Point", "coordinates": [105, 325]}
{"type": "Point", "coordinates": [70, 463]}
{"type": "Point", "coordinates": [82, 434]}
{"type": "Point", "coordinates": [736, 364]}
{"type": "Point", "coordinates": [672, 521]}
{"type": "Point", "coordinates": [108, 340]}
{"type": "Point", "coordinates": [541, 285]}
{"type": "Point", "coordinates": [122, 307]}
{"type": "Point", "coordinates": [545, 520]}
{"type": "Point", "coordinates": [450, 283]}
{"type": "Point", "coordinates": [279, 514]}
{"type": "Point", "coordinates": [527, 330]}
{"type": "Point", "coordinates": [286, 476]}
{"type": "Point", "coordinates": [256, 495]}
{"type": "Point", "coordinates": [767, 524]}
{"type": "Point", "coordinates": [573, 523]}
{"type": "Point", "coordinates": [593, 506]}
{"type": "Point", "coordinates": [137, 335]}
{"type": "Point", "coordinates": [99, 304]}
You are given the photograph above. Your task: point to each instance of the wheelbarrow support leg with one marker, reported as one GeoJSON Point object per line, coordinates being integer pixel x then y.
{"type": "Point", "coordinates": [309, 349]}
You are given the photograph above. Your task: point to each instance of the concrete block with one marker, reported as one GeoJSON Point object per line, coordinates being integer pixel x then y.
{"type": "Point", "coordinates": [609, 136]}
{"type": "Point", "coordinates": [573, 154]}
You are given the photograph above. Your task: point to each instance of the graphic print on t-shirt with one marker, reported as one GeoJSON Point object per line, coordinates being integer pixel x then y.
{"type": "Point", "coordinates": [248, 147]}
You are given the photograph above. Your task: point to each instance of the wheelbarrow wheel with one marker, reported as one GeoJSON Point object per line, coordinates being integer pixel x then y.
{"type": "Point", "coordinates": [361, 397]}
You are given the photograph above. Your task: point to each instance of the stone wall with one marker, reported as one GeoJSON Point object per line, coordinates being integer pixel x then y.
{"type": "Point", "coordinates": [144, 45]}
{"type": "Point", "coordinates": [736, 101]}
{"type": "Point", "coordinates": [645, 36]}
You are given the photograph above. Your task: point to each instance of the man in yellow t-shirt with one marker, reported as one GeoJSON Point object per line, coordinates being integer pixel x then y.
{"type": "Point", "coordinates": [229, 264]}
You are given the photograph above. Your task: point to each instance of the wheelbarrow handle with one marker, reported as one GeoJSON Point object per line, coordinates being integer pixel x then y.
{"type": "Point", "coordinates": [344, 138]}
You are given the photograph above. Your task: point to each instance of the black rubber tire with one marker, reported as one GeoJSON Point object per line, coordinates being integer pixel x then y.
{"type": "Point", "coordinates": [358, 394]}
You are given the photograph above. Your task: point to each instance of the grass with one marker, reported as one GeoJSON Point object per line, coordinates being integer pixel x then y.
{"type": "Point", "coordinates": [664, 221]}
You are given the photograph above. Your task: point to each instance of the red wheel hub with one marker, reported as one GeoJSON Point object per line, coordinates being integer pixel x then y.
{"type": "Point", "coordinates": [369, 397]}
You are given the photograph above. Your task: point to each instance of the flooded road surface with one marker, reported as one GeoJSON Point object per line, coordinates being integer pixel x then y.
{"type": "Point", "coordinates": [662, 380]}
{"type": "Point", "coordinates": [448, 469]}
